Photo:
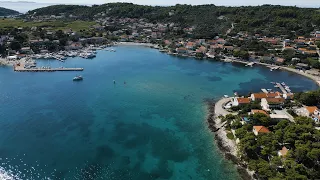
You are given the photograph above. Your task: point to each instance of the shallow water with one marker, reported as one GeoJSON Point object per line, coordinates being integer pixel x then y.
{"type": "Point", "coordinates": [152, 127]}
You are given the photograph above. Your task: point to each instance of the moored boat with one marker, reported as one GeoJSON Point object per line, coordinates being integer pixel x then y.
{"type": "Point", "coordinates": [78, 78]}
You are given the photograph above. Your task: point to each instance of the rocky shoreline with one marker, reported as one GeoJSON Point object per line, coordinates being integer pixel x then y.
{"type": "Point", "coordinates": [222, 143]}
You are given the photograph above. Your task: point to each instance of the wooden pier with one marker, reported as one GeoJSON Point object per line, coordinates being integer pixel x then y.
{"type": "Point", "coordinates": [22, 69]}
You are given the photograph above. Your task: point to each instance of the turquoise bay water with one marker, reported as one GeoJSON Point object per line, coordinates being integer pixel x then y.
{"type": "Point", "coordinates": [152, 127]}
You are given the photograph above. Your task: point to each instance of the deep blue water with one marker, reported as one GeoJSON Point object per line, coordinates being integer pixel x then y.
{"type": "Point", "coordinates": [152, 127]}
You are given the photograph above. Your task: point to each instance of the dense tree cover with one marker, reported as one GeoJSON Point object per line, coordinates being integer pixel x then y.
{"type": "Point", "coordinates": [7, 12]}
{"type": "Point", "coordinates": [2, 50]}
{"type": "Point", "coordinates": [310, 98]}
{"type": "Point", "coordinates": [208, 20]}
{"type": "Point", "coordinates": [261, 152]}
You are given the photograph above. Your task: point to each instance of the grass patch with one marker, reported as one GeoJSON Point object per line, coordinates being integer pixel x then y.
{"type": "Point", "coordinates": [230, 135]}
{"type": "Point", "coordinates": [54, 25]}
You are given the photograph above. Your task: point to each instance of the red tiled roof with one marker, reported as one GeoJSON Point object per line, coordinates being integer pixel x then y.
{"type": "Point", "coordinates": [275, 100]}
{"type": "Point", "coordinates": [311, 109]}
{"type": "Point", "coordinates": [260, 95]}
{"type": "Point", "coordinates": [254, 111]}
{"type": "Point", "coordinates": [273, 95]}
{"type": "Point", "coordinates": [243, 100]}
{"type": "Point", "coordinates": [261, 129]}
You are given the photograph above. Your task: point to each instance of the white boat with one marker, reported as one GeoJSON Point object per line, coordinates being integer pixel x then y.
{"type": "Point", "coordinates": [226, 96]}
{"type": "Point", "coordinates": [78, 78]}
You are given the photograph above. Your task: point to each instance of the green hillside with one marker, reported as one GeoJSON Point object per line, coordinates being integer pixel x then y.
{"type": "Point", "coordinates": [208, 19]}
{"type": "Point", "coordinates": [7, 12]}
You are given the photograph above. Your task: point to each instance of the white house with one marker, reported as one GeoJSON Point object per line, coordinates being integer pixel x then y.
{"type": "Point", "coordinates": [236, 101]}
{"type": "Point", "coordinates": [271, 103]}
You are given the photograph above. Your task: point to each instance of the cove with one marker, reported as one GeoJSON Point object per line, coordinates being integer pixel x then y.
{"type": "Point", "coordinates": [151, 127]}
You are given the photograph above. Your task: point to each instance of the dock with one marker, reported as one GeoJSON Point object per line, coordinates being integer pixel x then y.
{"type": "Point", "coordinates": [284, 91]}
{"type": "Point", "coordinates": [250, 64]}
{"type": "Point", "coordinates": [37, 69]}
{"type": "Point", "coordinates": [265, 91]}
{"type": "Point", "coordinates": [273, 68]}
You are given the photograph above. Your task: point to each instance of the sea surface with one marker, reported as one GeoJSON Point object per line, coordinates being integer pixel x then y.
{"type": "Point", "coordinates": [151, 124]}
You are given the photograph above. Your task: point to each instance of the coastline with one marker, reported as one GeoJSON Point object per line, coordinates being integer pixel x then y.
{"type": "Point", "coordinates": [226, 146]}
{"type": "Point", "coordinates": [316, 79]}
{"type": "Point", "coordinates": [136, 44]}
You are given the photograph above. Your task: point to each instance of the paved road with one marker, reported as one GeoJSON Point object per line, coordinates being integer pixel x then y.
{"type": "Point", "coordinates": [219, 110]}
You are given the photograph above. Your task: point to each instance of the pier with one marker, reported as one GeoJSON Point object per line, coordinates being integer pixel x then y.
{"type": "Point", "coordinates": [265, 91]}
{"type": "Point", "coordinates": [37, 69]}
{"type": "Point", "coordinates": [284, 91]}
{"type": "Point", "coordinates": [273, 68]}
{"type": "Point", "coordinates": [250, 64]}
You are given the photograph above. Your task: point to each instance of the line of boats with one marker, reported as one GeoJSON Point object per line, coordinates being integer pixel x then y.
{"type": "Point", "coordinates": [61, 56]}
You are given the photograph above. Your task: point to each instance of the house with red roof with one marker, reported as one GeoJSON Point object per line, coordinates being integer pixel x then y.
{"type": "Point", "coordinates": [190, 45]}
{"type": "Point", "coordinates": [272, 103]}
{"type": "Point", "coordinates": [260, 130]}
{"type": "Point", "coordinates": [237, 101]}
{"type": "Point", "coordinates": [182, 50]}
{"type": "Point", "coordinates": [259, 96]}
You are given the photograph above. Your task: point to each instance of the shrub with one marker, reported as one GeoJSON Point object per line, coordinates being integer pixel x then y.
{"type": "Point", "coordinates": [230, 135]}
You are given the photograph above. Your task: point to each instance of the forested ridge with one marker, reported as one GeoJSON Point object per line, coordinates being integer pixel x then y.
{"type": "Point", "coordinates": [7, 12]}
{"type": "Point", "coordinates": [208, 19]}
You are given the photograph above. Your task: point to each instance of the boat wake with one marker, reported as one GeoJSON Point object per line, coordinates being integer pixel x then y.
{"type": "Point", "coordinates": [8, 175]}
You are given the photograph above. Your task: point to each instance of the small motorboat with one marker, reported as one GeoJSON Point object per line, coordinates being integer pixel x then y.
{"type": "Point", "coordinates": [78, 78]}
{"type": "Point", "coordinates": [226, 96]}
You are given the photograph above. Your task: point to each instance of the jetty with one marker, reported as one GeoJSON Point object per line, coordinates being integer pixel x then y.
{"type": "Point", "coordinates": [273, 68]}
{"type": "Point", "coordinates": [284, 91]}
{"type": "Point", "coordinates": [250, 64]}
{"type": "Point", "coordinates": [22, 68]}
